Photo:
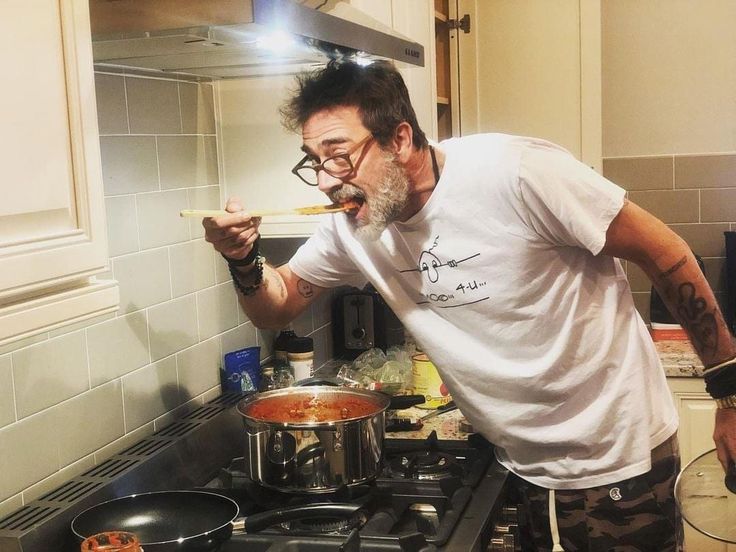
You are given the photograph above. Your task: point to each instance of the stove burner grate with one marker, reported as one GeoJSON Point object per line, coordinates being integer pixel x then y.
{"type": "Point", "coordinates": [425, 465]}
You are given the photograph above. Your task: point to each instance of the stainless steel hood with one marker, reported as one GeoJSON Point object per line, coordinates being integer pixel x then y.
{"type": "Point", "coordinates": [237, 38]}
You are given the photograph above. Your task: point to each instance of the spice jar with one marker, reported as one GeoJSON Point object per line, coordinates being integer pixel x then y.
{"type": "Point", "coordinates": [268, 379]}
{"type": "Point", "coordinates": [301, 357]}
{"type": "Point", "coordinates": [280, 348]}
{"type": "Point", "coordinates": [112, 541]}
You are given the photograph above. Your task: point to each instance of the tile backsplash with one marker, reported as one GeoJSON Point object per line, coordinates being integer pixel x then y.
{"type": "Point", "coordinates": [73, 397]}
{"type": "Point", "coordinates": [695, 195]}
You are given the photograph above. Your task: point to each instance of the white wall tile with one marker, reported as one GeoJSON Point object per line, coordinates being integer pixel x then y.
{"type": "Point", "coordinates": [199, 368]}
{"type": "Point", "coordinates": [187, 161]}
{"type": "Point", "coordinates": [172, 326]}
{"type": "Point", "coordinates": [29, 453]}
{"type": "Point", "coordinates": [97, 420]}
{"type": "Point", "coordinates": [7, 400]}
{"type": "Point", "coordinates": [153, 106]}
{"type": "Point", "coordinates": [197, 108]}
{"type": "Point", "coordinates": [202, 198]}
{"type": "Point", "coordinates": [118, 347]}
{"type": "Point", "coordinates": [222, 273]}
{"type": "Point", "coordinates": [217, 310]}
{"type": "Point", "coordinates": [238, 338]}
{"type": "Point", "coordinates": [112, 113]}
{"type": "Point", "coordinates": [129, 164]}
{"type": "Point", "coordinates": [150, 392]}
{"type": "Point", "coordinates": [50, 372]}
{"type": "Point", "coordinates": [192, 267]}
{"type": "Point", "coordinates": [122, 225]}
{"type": "Point", "coordinates": [159, 222]}
{"type": "Point", "coordinates": [143, 278]}
{"type": "Point", "coordinates": [69, 328]}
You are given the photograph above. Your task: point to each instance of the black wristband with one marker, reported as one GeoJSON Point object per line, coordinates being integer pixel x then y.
{"type": "Point", "coordinates": [248, 259]}
{"type": "Point", "coordinates": [258, 271]}
{"type": "Point", "coordinates": [721, 382]}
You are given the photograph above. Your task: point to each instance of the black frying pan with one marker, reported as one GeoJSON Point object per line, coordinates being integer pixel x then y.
{"type": "Point", "coordinates": [188, 520]}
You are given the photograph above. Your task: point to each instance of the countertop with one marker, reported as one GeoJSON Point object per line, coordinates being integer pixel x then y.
{"type": "Point", "coordinates": [679, 359]}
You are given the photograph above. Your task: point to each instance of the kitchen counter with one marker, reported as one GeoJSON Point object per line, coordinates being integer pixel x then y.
{"type": "Point", "coordinates": [679, 359]}
{"type": "Point", "coordinates": [446, 425]}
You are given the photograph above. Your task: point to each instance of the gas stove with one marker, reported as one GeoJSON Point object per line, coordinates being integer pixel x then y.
{"type": "Point", "coordinates": [430, 495]}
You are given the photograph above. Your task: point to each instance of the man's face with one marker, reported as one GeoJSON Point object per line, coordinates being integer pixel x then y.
{"type": "Point", "coordinates": [377, 182]}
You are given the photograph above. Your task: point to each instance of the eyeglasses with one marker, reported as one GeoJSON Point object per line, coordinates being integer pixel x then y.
{"type": "Point", "coordinates": [339, 166]}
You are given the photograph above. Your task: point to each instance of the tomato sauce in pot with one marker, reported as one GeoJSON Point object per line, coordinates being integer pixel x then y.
{"type": "Point", "coordinates": [301, 409]}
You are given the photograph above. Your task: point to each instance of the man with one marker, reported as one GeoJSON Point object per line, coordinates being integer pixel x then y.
{"type": "Point", "coordinates": [498, 253]}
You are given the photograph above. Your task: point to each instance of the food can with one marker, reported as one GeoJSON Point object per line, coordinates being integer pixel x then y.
{"type": "Point", "coordinates": [427, 382]}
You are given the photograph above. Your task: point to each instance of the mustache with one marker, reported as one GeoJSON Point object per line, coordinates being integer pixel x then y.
{"type": "Point", "coordinates": [345, 192]}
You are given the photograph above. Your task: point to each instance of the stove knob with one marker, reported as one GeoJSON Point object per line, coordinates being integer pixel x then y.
{"type": "Point", "coordinates": [502, 543]}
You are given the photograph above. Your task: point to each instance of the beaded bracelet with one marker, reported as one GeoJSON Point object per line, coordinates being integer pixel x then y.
{"type": "Point", "coordinates": [258, 270]}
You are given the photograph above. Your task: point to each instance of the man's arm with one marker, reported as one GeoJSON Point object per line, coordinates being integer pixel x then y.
{"type": "Point", "coordinates": [639, 237]}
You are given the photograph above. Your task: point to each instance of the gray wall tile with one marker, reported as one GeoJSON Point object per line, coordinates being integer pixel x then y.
{"type": "Point", "coordinates": [217, 310]}
{"type": "Point", "coordinates": [705, 171]}
{"type": "Point", "coordinates": [149, 392]}
{"type": "Point", "coordinates": [192, 267]}
{"type": "Point", "coordinates": [7, 400]}
{"type": "Point", "coordinates": [143, 279]}
{"type": "Point", "coordinates": [153, 106]}
{"type": "Point", "coordinates": [239, 338]}
{"type": "Point", "coordinates": [29, 453]}
{"type": "Point", "coordinates": [669, 206]}
{"type": "Point", "coordinates": [718, 205]}
{"type": "Point", "coordinates": [197, 108]}
{"type": "Point", "coordinates": [112, 112]}
{"type": "Point", "coordinates": [715, 272]}
{"type": "Point", "coordinates": [640, 173]}
{"type": "Point", "coordinates": [202, 198]}
{"type": "Point", "coordinates": [187, 161]}
{"type": "Point", "coordinates": [122, 225]}
{"type": "Point", "coordinates": [265, 341]}
{"type": "Point", "coordinates": [98, 417]}
{"type": "Point", "coordinates": [59, 478]}
{"type": "Point", "coordinates": [129, 164]}
{"type": "Point", "coordinates": [706, 240]}
{"type": "Point", "coordinates": [199, 368]}
{"type": "Point", "coordinates": [50, 372]}
{"type": "Point", "coordinates": [172, 326]}
{"type": "Point", "coordinates": [10, 505]}
{"type": "Point", "coordinates": [638, 280]}
{"type": "Point", "coordinates": [159, 222]}
{"type": "Point", "coordinates": [118, 347]}
{"type": "Point", "coordinates": [130, 438]}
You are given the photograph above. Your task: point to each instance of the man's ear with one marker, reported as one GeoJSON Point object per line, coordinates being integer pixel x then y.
{"type": "Point", "coordinates": [403, 142]}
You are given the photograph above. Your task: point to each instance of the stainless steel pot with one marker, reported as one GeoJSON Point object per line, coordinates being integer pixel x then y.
{"type": "Point", "coordinates": [314, 456]}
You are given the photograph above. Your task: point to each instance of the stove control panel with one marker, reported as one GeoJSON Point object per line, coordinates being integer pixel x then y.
{"type": "Point", "coordinates": [505, 537]}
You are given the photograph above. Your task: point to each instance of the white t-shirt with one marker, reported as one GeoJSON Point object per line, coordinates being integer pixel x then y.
{"type": "Point", "coordinates": [535, 336]}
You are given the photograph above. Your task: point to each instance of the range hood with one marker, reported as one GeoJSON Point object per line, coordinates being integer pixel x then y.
{"type": "Point", "coordinates": [237, 38]}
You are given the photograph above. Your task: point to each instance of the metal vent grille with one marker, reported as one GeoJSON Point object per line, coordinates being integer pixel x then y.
{"type": "Point", "coordinates": [27, 517]}
{"type": "Point", "coordinates": [71, 491]}
{"type": "Point", "coordinates": [110, 468]}
{"type": "Point", "coordinates": [177, 429]}
{"type": "Point", "coordinates": [226, 399]}
{"type": "Point", "coordinates": [204, 413]}
{"type": "Point", "coordinates": [145, 448]}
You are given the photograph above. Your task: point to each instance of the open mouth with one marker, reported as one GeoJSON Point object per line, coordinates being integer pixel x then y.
{"type": "Point", "coordinates": [353, 205]}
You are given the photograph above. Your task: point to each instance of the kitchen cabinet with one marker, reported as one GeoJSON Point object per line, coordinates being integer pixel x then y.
{"type": "Point", "coordinates": [533, 68]}
{"type": "Point", "coordinates": [257, 154]}
{"type": "Point", "coordinates": [697, 417]}
{"type": "Point", "coordinates": [52, 225]}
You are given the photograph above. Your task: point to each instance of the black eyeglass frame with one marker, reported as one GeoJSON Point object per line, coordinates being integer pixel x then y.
{"type": "Point", "coordinates": [321, 166]}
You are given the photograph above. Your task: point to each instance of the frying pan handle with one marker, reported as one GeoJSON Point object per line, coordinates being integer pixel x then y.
{"type": "Point", "coordinates": [399, 402]}
{"type": "Point", "coordinates": [730, 479]}
{"type": "Point", "coordinates": [260, 521]}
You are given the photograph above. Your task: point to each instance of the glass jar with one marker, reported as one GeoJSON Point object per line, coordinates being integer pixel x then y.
{"type": "Point", "coordinates": [301, 357]}
{"type": "Point", "coordinates": [268, 379]}
{"type": "Point", "coordinates": [112, 541]}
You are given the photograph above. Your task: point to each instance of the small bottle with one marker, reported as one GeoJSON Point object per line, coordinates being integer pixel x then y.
{"type": "Point", "coordinates": [301, 357]}
{"type": "Point", "coordinates": [280, 348]}
{"type": "Point", "coordinates": [283, 377]}
{"type": "Point", "coordinates": [112, 541]}
{"type": "Point", "coordinates": [268, 379]}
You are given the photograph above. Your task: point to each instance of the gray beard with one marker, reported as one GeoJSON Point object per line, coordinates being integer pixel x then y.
{"type": "Point", "coordinates": [386, 203]}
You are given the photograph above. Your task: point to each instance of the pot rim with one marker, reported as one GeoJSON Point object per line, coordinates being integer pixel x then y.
{"type": "Point", "coordinates": [382, 403]}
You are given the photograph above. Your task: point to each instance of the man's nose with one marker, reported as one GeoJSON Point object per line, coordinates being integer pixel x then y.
{"type": "Point", "coordinates": [326, 182]}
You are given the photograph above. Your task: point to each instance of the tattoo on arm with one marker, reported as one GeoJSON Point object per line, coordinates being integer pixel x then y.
{"type": "Point", "coordinates": [305, 289]}
{"type": "Point", "coordinates": [695, 317]}
{"type": "Point", "coordinates": [679, 264]}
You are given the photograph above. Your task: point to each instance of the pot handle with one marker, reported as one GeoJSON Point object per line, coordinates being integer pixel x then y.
{"type": "Point", "coordinates": [399, 402]}
{"type": "Point", "coordinates": [730, 479]}
{"type": "Point", "coordinates": [263, 520]}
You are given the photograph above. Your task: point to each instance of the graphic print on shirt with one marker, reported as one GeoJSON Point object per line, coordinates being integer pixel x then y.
{"type": "Point", "coordinates": [432, 267]}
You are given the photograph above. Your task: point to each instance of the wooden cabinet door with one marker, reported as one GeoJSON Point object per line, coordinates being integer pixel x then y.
{"type": "Point", "coordinates": [52, 225]}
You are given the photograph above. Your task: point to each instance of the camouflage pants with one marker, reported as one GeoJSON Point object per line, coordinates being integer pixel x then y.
{"type": "Point", "coordinates": [637, 514]}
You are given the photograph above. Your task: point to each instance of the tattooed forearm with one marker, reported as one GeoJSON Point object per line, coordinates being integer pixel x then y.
{"type": "Point", "coordinates": [679, 264]}
{"type": "Point", "coordinates": [698, 318]}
